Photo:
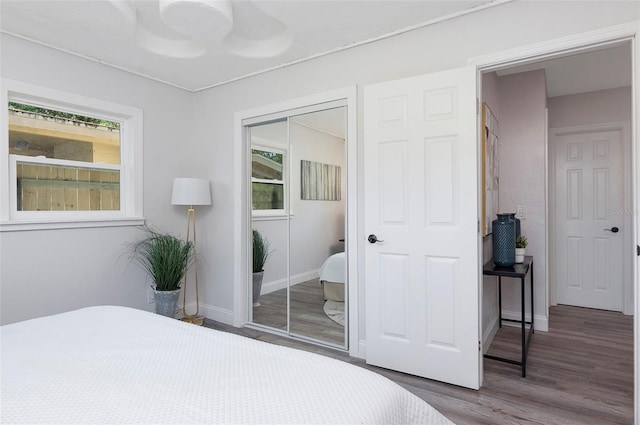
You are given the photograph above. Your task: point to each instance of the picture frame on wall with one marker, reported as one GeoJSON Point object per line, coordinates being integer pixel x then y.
{"type": "Point", "coordinates": [320, 182]}
{"type": "Point", "coordinates": [490, 168]}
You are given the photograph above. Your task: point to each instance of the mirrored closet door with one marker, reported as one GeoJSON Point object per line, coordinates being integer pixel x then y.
{"type": "Point", "coordinates": [298, 201]}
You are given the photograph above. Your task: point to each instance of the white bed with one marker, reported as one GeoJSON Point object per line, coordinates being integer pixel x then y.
{"type": "Point", "coordinates": [333, 275]}
{"type": "Point", "coordinates": [107, 365]}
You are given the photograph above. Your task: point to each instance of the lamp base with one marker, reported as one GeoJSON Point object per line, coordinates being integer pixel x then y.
{"type": "Point", "coordinates": [193, 319]}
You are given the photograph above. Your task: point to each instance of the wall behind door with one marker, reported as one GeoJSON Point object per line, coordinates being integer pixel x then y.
{"type": "Point", "coordinates": [522, 100]}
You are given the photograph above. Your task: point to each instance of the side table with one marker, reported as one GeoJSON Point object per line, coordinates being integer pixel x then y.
{"type": "Point", "coordinates": [520, 271]}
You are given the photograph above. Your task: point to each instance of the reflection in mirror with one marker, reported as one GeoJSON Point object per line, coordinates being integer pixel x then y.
{"type": "Point", "coordinates": [269, 147]}
{"type": "Point", "coordinates": [298, 203]}
{"type": "Point", "coordinates": [317, 261]}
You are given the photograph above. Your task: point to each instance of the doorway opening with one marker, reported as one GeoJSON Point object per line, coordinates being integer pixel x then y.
{"type": "Point", "coordinates": [538, 107]}
{"type": "Point", "coordinates": [565, 168]}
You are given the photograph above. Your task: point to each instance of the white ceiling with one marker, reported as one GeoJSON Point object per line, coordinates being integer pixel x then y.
{"type": "Point", "coordinates": [195, 44]}
{"type": "Point", "coordinates": [331, 121]}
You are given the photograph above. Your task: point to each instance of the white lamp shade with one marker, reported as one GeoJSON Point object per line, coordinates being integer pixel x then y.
{"type": "Point", "coordinates": [190, 191]}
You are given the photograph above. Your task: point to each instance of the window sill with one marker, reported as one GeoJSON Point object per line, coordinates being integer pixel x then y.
{"type": "Point", "coordinates": [25, 225]}
{"type": "Point", "coordinates": [272, 217]}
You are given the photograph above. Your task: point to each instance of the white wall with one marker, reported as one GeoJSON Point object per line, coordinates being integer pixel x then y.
{"type": "Point", "coordinates": [523, 101]}
{"type": "Point", "coordinates": [47, 272]}
{"type": "Point", "coordinates": [597, 107]}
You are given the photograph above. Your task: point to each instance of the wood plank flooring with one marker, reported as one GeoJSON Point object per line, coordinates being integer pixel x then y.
{"type": "Point", "coordinates": [307, 316]}
{"type": "Point", "coordinates": [578, 373]}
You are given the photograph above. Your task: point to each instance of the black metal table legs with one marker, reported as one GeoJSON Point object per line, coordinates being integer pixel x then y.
{"type": "Point", "coordinates": [525, 336]}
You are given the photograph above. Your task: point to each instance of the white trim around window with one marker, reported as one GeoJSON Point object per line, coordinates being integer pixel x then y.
{"type": "Point", "coordinates": [131, 142]}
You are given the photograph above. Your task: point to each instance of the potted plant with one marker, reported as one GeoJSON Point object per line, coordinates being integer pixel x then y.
{"type": "Point", "coordinates": [521, 244]}
{"type": "Point", "coordinates": [166, 258]}
{"type": "Point", "coordinates": [261, 253]}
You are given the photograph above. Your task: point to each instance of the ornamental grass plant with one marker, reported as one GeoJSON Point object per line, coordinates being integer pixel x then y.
{"type": "Point", "coordinates": [165, 257]}
{"type": "Point", "coordinates": [261, 251]}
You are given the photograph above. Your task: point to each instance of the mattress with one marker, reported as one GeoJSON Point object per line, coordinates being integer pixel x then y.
{"type": "Point", "coordinates": [106, 365]}
{"type": "Point", "coordinates": [334, 269]}
{"type": "Point", "coordinates": [333, 276]}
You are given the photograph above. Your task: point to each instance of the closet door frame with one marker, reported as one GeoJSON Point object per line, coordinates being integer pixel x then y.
{"type": "Point", "coordinates": [242, 208]}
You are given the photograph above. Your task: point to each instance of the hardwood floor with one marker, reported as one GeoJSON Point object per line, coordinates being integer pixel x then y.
{"type": "Point", "coordinates": [307, 317]}
{"type": "Point", "coordinates": [578, 373]}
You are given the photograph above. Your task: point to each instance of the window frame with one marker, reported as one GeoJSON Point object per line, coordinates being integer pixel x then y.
{"type": "Point", "coordinates": [265, 146]}
{"type": "Point", "coordinates": [131, 173]}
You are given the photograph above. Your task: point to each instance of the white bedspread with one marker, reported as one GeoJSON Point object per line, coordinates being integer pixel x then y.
{"type": "Point", "coordinates": [108, 365]}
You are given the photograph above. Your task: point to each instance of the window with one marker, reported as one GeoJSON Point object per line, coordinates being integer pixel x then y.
{"type": "Point", "coordinates": [267, 180]}
{"type": "Point", "coordinates": [62, 161]}
{"type": "Point", "coordinates": [72, 161]}
{"type": "Point", "coordinates": [269, 144]}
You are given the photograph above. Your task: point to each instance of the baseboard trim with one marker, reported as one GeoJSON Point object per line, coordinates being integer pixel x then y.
{"type": "Point", "coordinates": [361, 350]}
{"type": "Point", "coordinates": [276, 285]}
{"type": "Point", "coordinates": [214, 313]}
{"type": "Point", "coordinates": [541, 322]}
{"type": "Point", "coordinates": [489, 334]}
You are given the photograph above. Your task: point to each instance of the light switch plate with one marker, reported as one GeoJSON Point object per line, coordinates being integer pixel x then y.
{"type": "Point", "coordinates": [521, 212]}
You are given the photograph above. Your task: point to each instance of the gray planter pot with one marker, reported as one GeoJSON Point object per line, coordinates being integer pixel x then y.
{"type": "Point", "coordinates": [257, 288]}
{"type": "Point", "coordinates": [167, 302]}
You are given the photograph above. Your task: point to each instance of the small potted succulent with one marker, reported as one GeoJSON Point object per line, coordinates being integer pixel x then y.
{"type": "Point", "coordinates": [521, 244]}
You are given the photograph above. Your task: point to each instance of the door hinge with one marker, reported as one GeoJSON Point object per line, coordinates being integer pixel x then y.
{"type": "Point", "coordinates": [479, 345]}
{"type": "Point", "coordinates": [477, 106]}
{"type": "Point", "coordinates": [638, 250]}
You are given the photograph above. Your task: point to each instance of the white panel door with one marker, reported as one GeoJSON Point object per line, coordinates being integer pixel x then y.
{"type": "Point", "coordinates": [422, 279]}
{"type": "Point", "coordinates": [589, 203]}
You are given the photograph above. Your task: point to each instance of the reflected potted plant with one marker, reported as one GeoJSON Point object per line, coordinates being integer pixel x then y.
{"type": "Point", "coordinates": [166, 259]}
{"type": "Point", "coordinates": [261, 253]}
{"type": "Point", "coordinates": [521, 244]}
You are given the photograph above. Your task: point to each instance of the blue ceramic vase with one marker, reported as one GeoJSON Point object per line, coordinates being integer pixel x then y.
{"type": "Point", "coordinates": [504, 241]}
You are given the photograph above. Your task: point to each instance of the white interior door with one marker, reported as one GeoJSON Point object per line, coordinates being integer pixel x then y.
{"type": "Point", "coordinates": [422, 278]}
{"type": "Point", "coordinates": [589, 206]}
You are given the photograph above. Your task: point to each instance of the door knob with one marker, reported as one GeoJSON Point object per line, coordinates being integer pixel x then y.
{"type": "Point", "coordinates": [614, 229]}
{"type": "Point", "coordinates": [373, 239]}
